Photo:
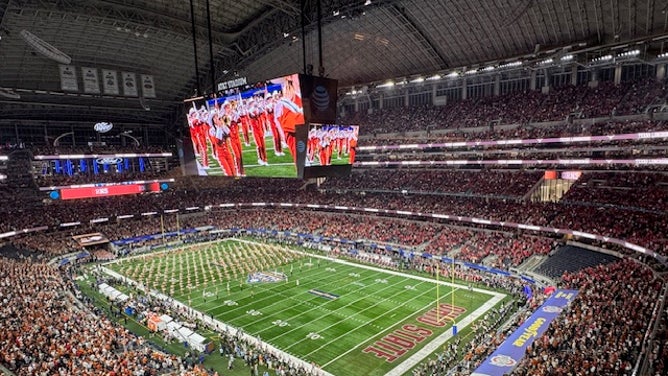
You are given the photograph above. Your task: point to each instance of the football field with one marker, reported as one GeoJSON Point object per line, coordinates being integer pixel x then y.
{"type": "Point", "coordinates": [347, 318]}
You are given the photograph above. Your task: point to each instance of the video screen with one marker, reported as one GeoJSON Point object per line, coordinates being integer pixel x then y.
{"type": "Point", "coordinates": [331, 144]}
{"type": "Point", "coordinates": [330, 150]}
{"type": "Point", "coordinates": [250, 132]}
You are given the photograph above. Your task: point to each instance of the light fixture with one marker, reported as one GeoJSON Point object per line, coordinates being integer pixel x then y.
{"type": "Point", "coordinates": [631, 53]}
{"type": "Point", "coordinates": [489, 68]}
{"type": "Point", "coordinates": [389, 83]}
{"type": "Point", "coordinates": [546, 61]}
{"type": "Point", "coordinates": [567, 58]}
{"type": "Point", "coordinates": [417, 80]}
{"type": "Point", "coordinates": [510, 65]}
{"type": "Point", "coordinates": [434, 77]}
{"type": "Point", "coordinates": [453, 74]}
{"type": "Point", "coordinates": [367, 2]}
{"type": "Point", "coordinates": [602, 58]}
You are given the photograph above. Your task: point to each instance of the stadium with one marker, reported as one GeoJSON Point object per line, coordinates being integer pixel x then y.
{"type": "Point", "coordinates": [342, 187]}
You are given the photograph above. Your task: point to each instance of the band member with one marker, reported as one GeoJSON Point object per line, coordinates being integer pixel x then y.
{"type": "Point", "coordinates": [235, 139]}
{"type": "Point", "coordinates": [198, 133]}
{"type": "Point", "coordinates": [312, 146]}
{"type": "Point", "coordinates": [326, 146]}
{"type": "Point", "coordinates": [220, 134]}
{"type": "Point", "coordinates": [258, 132]}
{"type": "Point", "coordinates": [276, 130]}
{"type": "Point", "coordinates": [288, 112]}
{"type": "Point", "coordinates": [352, 145]}
{"type": "Point", "coordinates": [245, 121]}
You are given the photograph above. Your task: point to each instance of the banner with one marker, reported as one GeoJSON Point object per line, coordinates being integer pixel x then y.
{"type": "Point", "coordinates": [147, 86]}
{"type": "Point", "coordinates": [512, 350]}
{"type": "Point", "coordinates": [68, 78]}
{"type": "Point", "coordinates": [91, 84]}
{"type": "Point", "coordinates": [129, 84]}
{"type": "Point", "coordinates": [110, 82]}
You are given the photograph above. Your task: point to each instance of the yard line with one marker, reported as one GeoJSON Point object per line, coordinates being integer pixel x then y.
{"type": "Point", "coordinates": [277, 287]}
{"type": "Point", "coordinates": [331, 312]}
{"type": "Point", "coordinates": [294, 297]}
{"type": "Point", "coordinates": [322, 271]}
{"type": "Point", "coordinates": [369, 321]}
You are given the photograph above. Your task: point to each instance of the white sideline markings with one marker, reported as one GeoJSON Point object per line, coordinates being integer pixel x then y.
{"type": "Point", "coordinates": [402, 367]}
{"type": "Point", "coordinates": [367, 339]}
{"type": "Point", "coordinates": [357, 313]}
{"type": "Point", "coordinates": [432, 346]}
{"type": "Point", "coordinates": [314, 307]}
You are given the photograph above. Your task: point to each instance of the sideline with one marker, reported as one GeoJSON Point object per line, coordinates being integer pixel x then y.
{"type": "Point", "coordinates": [413, 360]}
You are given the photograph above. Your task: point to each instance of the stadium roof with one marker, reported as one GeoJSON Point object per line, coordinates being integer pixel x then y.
{"type": "Point", "coordinates": [363, 40]}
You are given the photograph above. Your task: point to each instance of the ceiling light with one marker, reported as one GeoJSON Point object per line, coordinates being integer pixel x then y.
{"type": "Point", "coordinates": [434, 77]}
{"type": "Point", "coordinates": [511, 64]}
{"type": "Point", "coordinates": [567, 58]}
{"type": "Point", "coordinates": [417, 80]}
{"type": "Point", "coordinates": [389, 83]}
{"type": "Point", "coordinates": [367, 2]}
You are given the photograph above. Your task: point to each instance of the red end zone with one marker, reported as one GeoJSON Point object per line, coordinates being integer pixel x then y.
{"type": "Point", "coordinates": [400, 341]}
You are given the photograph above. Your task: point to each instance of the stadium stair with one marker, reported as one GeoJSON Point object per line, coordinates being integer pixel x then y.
{"type": "Point", "coordinates": [531, 263]}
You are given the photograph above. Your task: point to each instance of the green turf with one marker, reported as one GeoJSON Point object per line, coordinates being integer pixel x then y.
{"type": "Point", "coordinates": [331, 333]}
{"type": "Point", "coordinates": [279, 166]}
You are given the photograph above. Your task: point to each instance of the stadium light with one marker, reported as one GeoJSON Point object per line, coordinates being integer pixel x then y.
{"type": "Point", "coordinates": [510, 65]}
{"type": "Point", "coordinates": [418, 80]}
{"type": "Point", "coordinates": [471, 71]}
{"type": "Point", "coordinates": [367, 2]}
{"type": "Point", "coordinates": [489, 68]}
{"type": "Point", "coordinates": [546, 61]}
{"type": "Point", "coordinates": [602, 58]}
{"type": "Point", "coordinates": [434, 77]}
{"type": "Point", "coordinates": [663, 55]}
{"type": "Point", "coordinates": [389, 83]}
{"type": "Point", "coordinates": [567, 58]}
{"type": "Point", "coordinates": [631, 53]}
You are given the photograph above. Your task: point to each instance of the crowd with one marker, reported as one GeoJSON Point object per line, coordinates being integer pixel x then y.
{"type": "Point", "coordinates": [643, 190]}
{"type": "Point", "coordinates": [601, 332]}
{"type": "Point", "coordinates": [505, 250]}
{"type": "Point", "coordinates": [533, 131]}
{"type": "Point", "coordinates": [637, 226]}
{"type": "Point", "coordinates": [45, 333]}
{"type": "Point", "coordinates": [604, 100]}
{"type": "Point", "coordinates": [482, 182]}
